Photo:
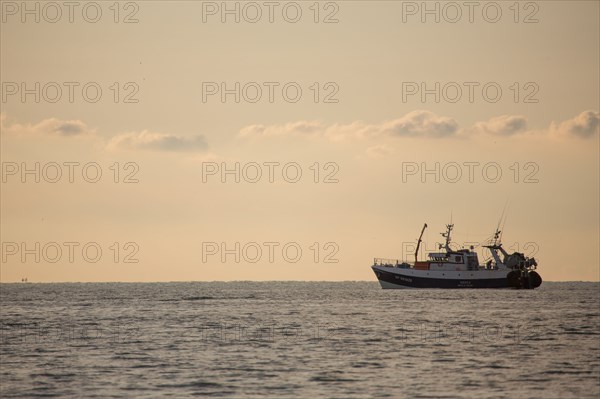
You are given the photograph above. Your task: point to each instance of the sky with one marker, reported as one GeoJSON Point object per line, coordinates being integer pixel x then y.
{"type": "Point", "coordinates": [202, 141]}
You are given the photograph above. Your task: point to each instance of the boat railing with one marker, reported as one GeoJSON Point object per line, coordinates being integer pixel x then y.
{"type": "Point", "coordinates": [392, 263]}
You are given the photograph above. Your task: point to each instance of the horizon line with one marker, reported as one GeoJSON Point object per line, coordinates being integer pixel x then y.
{"type": "Point", "coordinates": [240, 281]}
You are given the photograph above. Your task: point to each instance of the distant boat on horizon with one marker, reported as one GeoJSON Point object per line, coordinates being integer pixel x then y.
{"type": "Point", "coordinates": [459, 269]}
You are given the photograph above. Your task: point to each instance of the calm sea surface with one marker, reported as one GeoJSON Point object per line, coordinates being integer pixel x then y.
{"type": "Point", "coordinates": [292, 339]}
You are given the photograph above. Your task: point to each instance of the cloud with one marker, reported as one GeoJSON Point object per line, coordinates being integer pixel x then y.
{"type": "Point", "coordinates": [414, 124]}
{"type": "Point", "coordinates": [421, 123]}
{"type": "Point", "coordinates": [301, 128]}
{"type": "Point", "coordinates": [505, 125]}
{"type": "Point", "coordinates": [425, 124]}
{"type": "Point", "coordinates": [146, 140]}
{"type": "Point", "coordinates": [379, 151]}
{"type": "Point", "coordinates": [50, 126]}
{"type": "Point", "coordinates": [583, 125]}
{"type": "Point", "coordinates": [70, 128]}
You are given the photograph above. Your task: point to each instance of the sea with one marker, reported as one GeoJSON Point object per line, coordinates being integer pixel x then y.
{"type": "Point", "coordinates": [297, 340]}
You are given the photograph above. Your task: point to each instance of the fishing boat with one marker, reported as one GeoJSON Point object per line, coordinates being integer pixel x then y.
{"type": "Point", "coordinates": [460, 268]}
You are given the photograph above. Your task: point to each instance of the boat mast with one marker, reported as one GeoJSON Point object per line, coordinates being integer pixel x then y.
{"type": "Point", "coordinates": [419, 242]}
{"type": "Point", "coordinates": [446, 235]}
